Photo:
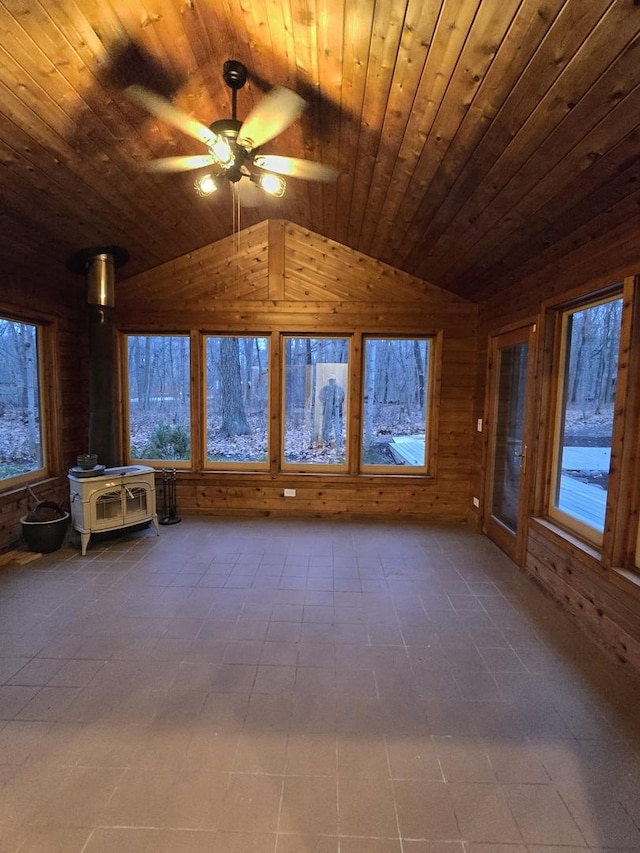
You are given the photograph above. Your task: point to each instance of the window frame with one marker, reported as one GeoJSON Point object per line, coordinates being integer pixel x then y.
{"type": "Point", "coordinates": [615, 545]}
{"type": "Point", "coordinates": [430, 425]}
{"type": "Point", "coordinates": [573, 523]}
{"type": "Point", "coordinates": [275, 464]}
{"type": "Point", "coordinates": [217, 465]}
{"type": "Point", "coordinates": [48, 396]}
{"type": "Point", "coordinates": [161, 464]}
{"type": "Point", "coordinates": [316, 467]}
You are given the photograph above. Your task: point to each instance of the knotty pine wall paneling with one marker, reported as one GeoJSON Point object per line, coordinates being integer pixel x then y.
{"type": "Point", "coordinates": [592, 587]}
{"type": "Point", "coordinates": [279, 278]}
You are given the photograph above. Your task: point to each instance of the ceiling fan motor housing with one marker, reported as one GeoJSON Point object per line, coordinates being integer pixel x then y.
{"type": "Point", "coordinates": [234, 74]}
{"type": "Point", "coordinates": [230, 128]}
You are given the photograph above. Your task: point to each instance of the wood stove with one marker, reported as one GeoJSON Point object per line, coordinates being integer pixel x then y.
{"type": "Point", "coordinates": [114, 499]}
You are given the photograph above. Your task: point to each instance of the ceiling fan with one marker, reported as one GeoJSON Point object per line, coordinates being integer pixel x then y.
{"type": "Point", "coordinates": [233, 145]}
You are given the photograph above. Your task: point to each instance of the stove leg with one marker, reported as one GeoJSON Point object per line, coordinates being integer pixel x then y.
{"type": "Point", "coordinates": [154, 521]}
{"type": "Point", "coordinates": [84, 541]}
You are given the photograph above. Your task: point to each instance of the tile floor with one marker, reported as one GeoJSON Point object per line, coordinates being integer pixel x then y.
{"type": "Point", "coordinates": [273, 686]}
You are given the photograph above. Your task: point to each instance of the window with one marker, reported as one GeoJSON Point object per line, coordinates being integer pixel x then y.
{"type": "Point", "coordinates": [316, 376]}
{"type": "Point", "coordinates": [231, 381]}
{"type": "Point", "coordinates": [584, 421]}
{"type": "Point", "coordinates": [395, 402]}
{"type": "Point", "coordinates": [22, 451]}
{"type": "Point", "coordinates": [237, 398]}
{"type": "Point", "coordinates": [159, 422]}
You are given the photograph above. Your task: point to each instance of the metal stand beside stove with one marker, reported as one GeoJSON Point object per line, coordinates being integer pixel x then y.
{"type": "Point", "coordinates": [111, 499]}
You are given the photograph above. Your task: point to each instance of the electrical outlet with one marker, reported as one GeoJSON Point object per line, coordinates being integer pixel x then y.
{"type": "Point", "coordinates": [289, 493]}
{"type": "Point", "coordinates": [476, 502]}
{"type": "Point", "coordinates": [479, 425]}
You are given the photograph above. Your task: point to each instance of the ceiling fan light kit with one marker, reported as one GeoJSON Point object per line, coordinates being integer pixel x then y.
{"type": "Point", "coordinates": [275, 185]}
{"type": "Point", "coordinates": [233, 144]}
{"type": "Point", "coordinates": [207, 185]}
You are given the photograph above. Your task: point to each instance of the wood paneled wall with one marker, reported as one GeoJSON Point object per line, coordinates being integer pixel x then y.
{"type": "Point", "coordinates": [58, 300]}
{"type": "Point", "coordinates": [602, 599]}
{"type": "Point", "coordinates": [605, 602]}
{"type": "Point", "coordinates": [277, 277]}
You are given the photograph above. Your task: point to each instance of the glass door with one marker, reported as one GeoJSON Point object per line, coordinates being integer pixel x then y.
{"type": "Point", "coordinates": [107, 509]}
{"type": "Point", "coordinates": [135, 504]}
{"type": "Point", "coordinates": [505, 510]}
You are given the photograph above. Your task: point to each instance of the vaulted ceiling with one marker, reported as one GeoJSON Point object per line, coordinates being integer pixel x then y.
{"type": "Point", "coordinates": [474, 139]}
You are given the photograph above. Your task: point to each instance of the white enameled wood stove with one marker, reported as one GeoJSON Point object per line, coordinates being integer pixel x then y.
{"type": "Point", "coordinates": [116, 498]}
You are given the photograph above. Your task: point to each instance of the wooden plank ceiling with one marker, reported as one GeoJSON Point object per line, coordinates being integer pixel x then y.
{"type": "Point", "coordinates": [475, 139]}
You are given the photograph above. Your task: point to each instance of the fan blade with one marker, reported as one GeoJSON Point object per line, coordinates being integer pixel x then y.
{"type": "Point", "coordinates": [308, 170]}
{"type": "Point", "coordinates": [249, 195]}
{"type": "Point", "coordinates": [275, 112]}
{"type": "Point", "coordinates": [179, 164]}
{"type": "Point", "coordinates": [161, 108]}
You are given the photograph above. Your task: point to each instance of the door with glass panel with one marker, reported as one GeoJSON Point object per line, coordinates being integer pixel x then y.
{"type": "Point", "coordinates": [508, 439]}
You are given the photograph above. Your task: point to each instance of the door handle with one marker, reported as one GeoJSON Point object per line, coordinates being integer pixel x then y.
{"type": "Point", "coordinates": [523, 456]}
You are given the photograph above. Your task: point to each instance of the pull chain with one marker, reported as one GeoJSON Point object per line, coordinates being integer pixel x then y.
{"type": "Point", "coordinates": [236, 229]}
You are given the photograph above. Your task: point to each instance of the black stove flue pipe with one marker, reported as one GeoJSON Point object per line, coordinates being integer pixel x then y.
{"type": "Point", "coordinates": [98, 265]}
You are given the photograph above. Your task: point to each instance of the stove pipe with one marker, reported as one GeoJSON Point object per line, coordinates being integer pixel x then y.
{"type": "Point", "coordinates": [101, 296]}
{"type": "Point", "coordinates": [99, 265]}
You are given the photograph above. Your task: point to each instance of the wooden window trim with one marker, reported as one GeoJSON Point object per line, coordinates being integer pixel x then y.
{"type": "Point", "coordinates": [432, 407]}
{"type": "Point", "coordinates": [620, 546]}
{"type": "Point", "coordinates": [50, 397]}
{"type": "Point", "coordinates": [285, 467]}
{"type": "Point", "coordinates": [200, 425]}
{"type": "Point", "coordinates": [582, 529]}
{"type": "Point", "coordinates": [125, 415]}
{"type": "Point", "coordinates": [276, 467]}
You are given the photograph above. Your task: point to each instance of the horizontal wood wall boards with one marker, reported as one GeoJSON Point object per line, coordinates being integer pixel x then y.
{"type": "Point", "coordinates": [605, 602]}
{"type": "Point", "coordinates": [276, 278]}
{"type": "Point", "coordinates": [589, 593]}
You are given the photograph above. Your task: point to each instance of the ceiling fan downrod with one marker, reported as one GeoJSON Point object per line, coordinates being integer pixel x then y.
{"type": "Point", "coordinates": [234, 74]}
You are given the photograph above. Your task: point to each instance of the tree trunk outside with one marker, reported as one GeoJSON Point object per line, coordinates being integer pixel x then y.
{"type": "Point", "coordinates": [419, 372]}
{"type": "Point", "coordinates": [370, 391]}
{"type": "Point", "coordinates": [234, 416]}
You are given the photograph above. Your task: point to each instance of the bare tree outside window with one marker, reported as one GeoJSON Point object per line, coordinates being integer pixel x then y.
{"type": "Point", "coordinates": [396, 375]}
{"type": "Point", "coordinates": [21, 444]}
{"type": "Point", "coordinates": [315, 400]}
{"type": "Point", "coordinates": [237, 388]}
{"type": "Point", "coordinates": [159, 397]}
{"type": "Point", "coordinates": [586, 406]}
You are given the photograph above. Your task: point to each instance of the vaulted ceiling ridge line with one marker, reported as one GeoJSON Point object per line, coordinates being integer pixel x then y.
{"type": "Point", "coordinates": [472, 137]}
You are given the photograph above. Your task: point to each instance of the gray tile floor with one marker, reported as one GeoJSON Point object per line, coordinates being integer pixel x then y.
{"type": "Point", "coordinates": [273, 686]}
